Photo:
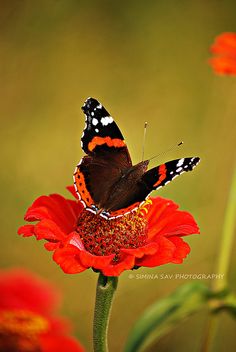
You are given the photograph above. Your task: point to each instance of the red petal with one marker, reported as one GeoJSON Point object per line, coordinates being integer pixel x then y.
{"type": "Point", "coordinates": [182, 249]}
{"type": "Point", "coordinates": [166, 220]}
{"type": "Point", "coordinates": [127, 262]}
{"type": "Point", "coordinates": [48, 230]}
{"type": "Point", "coordinates": [37, 213]}
{"type": "Point", "coordinates": [87, 259]}
{"type": "Point", "coordinates": [78, 257]}
{"type": "Point", "coordinates": [223, 65]}
{"type": "Point", "coordinates": [160, 208]}
{"type": "Point", "coordinates": [171, 250]}
{"type": "Point", "coordinates": [68, 214]}
{"type": "Point", "coordinates": [98, 262]}
{"type": "Point", "coordinates": [26, 230]}
{"type": "Point", "coordinates": [51, 246]}
{"type": "Point", "coordinates": [225, 44]}
{"type": "Point", "coordinates": [56, 208]}
{"type": "Point", "coordinates": [163, 255]}
{"type": "Point", "coordinates": [22, 290]}
{"type": "Point", "coordinates": [68, 259]}
{"type": "Point", "coordinates": [225, 49]}
{"type": "Point", "coordinates": [71, 189]}
{"type": "Point", "coordinates": [41, 202]}
{"type": "Point", "coordinates": [180, 223]}
{"type": "Point", "coordinates": [53, 342]}
{"type": "Point", "coordinates": [75, 240]}
{"type": "Point", "coordinates": [150, 248]}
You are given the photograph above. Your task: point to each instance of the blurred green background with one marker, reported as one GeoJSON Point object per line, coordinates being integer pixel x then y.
{"type": "Point", "coordinates": [145, 61]}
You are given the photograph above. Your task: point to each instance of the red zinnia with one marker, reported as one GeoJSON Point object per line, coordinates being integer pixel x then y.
{"type": "Point", "coordinates": [80, 240]}
{"type": "Point", "coordinates": [27, 319]}
{"type": "Point", "coordinates": [225, 49]}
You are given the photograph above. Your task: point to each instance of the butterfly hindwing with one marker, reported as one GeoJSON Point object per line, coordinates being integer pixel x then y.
{"type": "Point", "coordinates": [93, 179]}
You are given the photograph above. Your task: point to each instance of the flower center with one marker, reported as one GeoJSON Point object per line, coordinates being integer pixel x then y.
{"type": "Point", "coordinates": [106, 237]}
{"type": "Point", "coordinates": [19, 331]}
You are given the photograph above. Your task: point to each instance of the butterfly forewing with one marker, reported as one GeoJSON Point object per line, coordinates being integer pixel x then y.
{"type": "Point", "coordinates": [101, 133]}
{"type": "Point", "coordinates": [161, 175]}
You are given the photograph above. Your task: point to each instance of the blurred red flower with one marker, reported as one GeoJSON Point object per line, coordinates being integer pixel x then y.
{"type": "Point", "coordinates": [80, 240]}
{"type": "Point", "coordinates": [27, 319]}
{"type": "Point", "coordinates": [224, 48]}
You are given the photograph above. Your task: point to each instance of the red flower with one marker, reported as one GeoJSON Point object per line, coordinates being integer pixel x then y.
{"type": "Point", "coordinates": [27, 320]}
{"type": "Point", "coordinates": [225, 49]}
{"type": "Point", "coordinates": [80, 240]}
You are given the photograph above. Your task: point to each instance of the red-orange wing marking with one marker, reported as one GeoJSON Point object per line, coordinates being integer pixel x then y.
{"type": "Point", "coordinates": [161, 173]}
{"type": "Point", "coordinates": [123, 211]}
{"type": "Point", "coordinates": [110, 142]}
{"type": "Point", "coordinates": [81, 188]}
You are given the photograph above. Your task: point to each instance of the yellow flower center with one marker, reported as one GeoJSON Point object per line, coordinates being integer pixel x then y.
{"type": "Point", "coordinates": [19, 330]}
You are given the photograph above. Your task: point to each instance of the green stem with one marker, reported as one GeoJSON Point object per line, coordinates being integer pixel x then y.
{"type": "Point", "coordinates": [223, 263]}
{"type": "Point", "coordinates": [106, 287]}
{"type": "Point", "coordinates": [227, 237]}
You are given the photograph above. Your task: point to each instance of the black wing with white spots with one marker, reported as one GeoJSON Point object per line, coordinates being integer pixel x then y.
{"type": "Point", "coordinates": [161, 175]}
{"type": "Point", "coordinates": [100, 128]}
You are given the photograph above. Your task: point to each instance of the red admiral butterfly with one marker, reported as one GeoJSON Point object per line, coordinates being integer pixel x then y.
{"type": "Point", "coordinates": [105, 180]}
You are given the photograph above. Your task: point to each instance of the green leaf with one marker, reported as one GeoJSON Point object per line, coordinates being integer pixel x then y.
{"type": "Point", "coordinates": [227, 304]}
{"type": "Point", "coordinates": [163, 315]}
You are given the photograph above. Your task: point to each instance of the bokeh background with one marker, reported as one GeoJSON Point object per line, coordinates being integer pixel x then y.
{"type": "Point", "coordinates": [145, 61]}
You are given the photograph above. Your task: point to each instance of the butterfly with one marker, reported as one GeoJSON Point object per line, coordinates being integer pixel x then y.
{"type": "Point", "coordinates": [105, 180]}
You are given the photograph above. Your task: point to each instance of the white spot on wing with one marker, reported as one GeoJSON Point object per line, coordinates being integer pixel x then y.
{"type": "Point", "coordinates": [180, 162]}
{"type": "Point", "coordinates": [96, 130]}
{"type": "Point", "coordinates": [179, 169]}
{"type": "Point", "coordinates": [94, 121]}
{"type": "Point", "coordinates": [106, 120]}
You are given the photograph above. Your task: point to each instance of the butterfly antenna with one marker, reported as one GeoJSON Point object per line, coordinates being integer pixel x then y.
{"type": "Point", "coordinates": [144, 138]}
{"type": "Point", "coordinates": [168, 150]}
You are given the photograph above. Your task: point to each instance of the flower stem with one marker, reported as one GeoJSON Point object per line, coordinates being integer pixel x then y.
{"type": "Point", "coordinates": [227, 237]}
{"type": "Point", "coordinates": [223, 263]}
{"type": "Point", "coordinates": [106, 287]}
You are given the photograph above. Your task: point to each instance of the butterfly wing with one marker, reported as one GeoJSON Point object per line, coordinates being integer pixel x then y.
{"type": "Point", "coordinates": [93, 180]}
{"type": "Point", "coordinates": [161, 175]}
{"type": "Point", "coordinates": [138, 185]}
{"type": "Point", "coordinates": [107, 157]}
{"type": "Point", "coordinates": [101, 134]}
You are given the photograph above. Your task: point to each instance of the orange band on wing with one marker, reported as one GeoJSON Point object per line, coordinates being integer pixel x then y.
{"type": "Point", "coordinates": [82, 189]}
{"type": "Point", "coordinates": [125, 210]}
{"type": "Point", "coordinates": [118, 143]}
{"type": "Point", "coordinates": [161, 173]}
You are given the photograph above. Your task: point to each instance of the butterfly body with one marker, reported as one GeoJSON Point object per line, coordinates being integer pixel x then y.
{"type": "Point", "coordinates": [105, 180]}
